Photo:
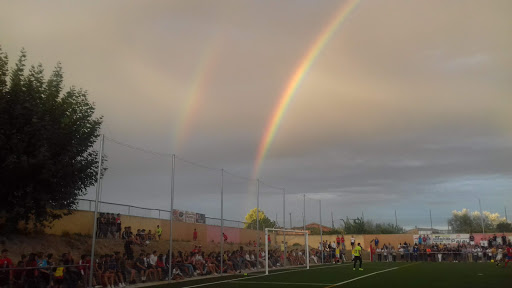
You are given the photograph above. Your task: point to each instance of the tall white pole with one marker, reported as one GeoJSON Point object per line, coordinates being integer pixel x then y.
{"type": "Point", "coordinates": [304, 228]}
{"type": "Point", "coordinates": [307, 250]}
{"type": "Point", "coordinates": [506, 218]}
{"type": "Point", "coordinates": [221, 221]}
{"type": "Point", "coordinates": [98, 188]}
{"type": "Point", "coordinates": [431, 227]}
{"type": "Point", "coordinates": [396, 220]}
{"type": "Point", "coordinates": [284, 227]}
{"type": "Point", "coordinates": [481, 216]}
{"type": "Point", "coordinates": [321, 234]}
{"type": "Point", "coordinates": [304, 214]}
{"type": "Point", "coordinates": [173, 171]}
{"type": "Point", "coordinates": [258, 216]}
{"type": "Point", "coordinates": [266, 251]}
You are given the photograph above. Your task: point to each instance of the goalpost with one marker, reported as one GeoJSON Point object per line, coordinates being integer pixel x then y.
{"type": "Point", "coordinates": [290, 231]}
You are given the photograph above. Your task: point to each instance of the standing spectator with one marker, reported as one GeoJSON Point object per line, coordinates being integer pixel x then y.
{"type": "Point", "coordinates": [6, 276]}
{"type": "Point", "coordinates": [352, 242]}
{"type": "Point", "coordinates": [128, 248]}
{"type": "Point", "coordinates": [102, 227]}
{"type": "Point", "coordinates": [376, 242]}
{"type": "Point", "coordinates": [225, 237]}
{"type": "Point", "coordinates": [31, 274]}
{"type": "Point", "coordinates": [338, 241]}
{"type": "Point", "coordinates": [118, 226]}
{"type": "Point", "coordinates": [420, 240]}
{"type": "Point", "coordinates": [126, 234]}
{"type": "Point", "coordinates": [158, 232]}
{"type": "Point", "coordinates": [343, 242]}
{"type": "Point", "coordinates": [194, 235]}
{"type": "Point", "coordinates": [58, 276]}
{"type": "Point", "coordinates": [113, 226]}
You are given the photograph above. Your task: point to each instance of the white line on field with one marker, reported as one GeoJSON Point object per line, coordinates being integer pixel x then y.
{"type": "Point", "coordinates": [281, 283]}
{"type": "Point", "coordinates": [366, 275]}
{"type": "Point", "coordinates": [256, 276]}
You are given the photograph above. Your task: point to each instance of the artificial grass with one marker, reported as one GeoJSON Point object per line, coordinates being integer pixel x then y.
{"type": "Point", "coordinates": [396, 275]}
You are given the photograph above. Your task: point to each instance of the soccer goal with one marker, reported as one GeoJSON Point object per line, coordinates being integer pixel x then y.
{"type": "Point", "coordinates": [305, 233]}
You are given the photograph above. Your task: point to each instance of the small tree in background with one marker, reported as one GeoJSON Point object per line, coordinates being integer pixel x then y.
{"type": "Point", "coordinates": [265, 222]}
{"type": "Point", "coordinates": [46, 141]}
{"type": "Point", "coordinates": [361, 226]}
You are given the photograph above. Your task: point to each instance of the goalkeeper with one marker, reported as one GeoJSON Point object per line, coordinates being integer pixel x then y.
{"type": "Point", "coordinates": [356, 254]}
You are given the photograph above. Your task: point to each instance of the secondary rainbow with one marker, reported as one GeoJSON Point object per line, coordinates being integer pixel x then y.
{"type": "Point", "coordinates": [296, 78]}
{"type": "Point", "coordinates": [189, 108]}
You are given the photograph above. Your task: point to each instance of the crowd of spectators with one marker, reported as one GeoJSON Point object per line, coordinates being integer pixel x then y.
{"type": "Point", "coordinates": [492, 249]}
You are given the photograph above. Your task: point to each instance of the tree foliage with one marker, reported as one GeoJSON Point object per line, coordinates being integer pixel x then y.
{"type": "Point", "coordinates": [361, 226]}
{"type": "Point", "coordinates": [265, 222]}
{"type": "Point", "coordinates": [46, 140]}
{"type": "Point", "coordinates": [465, 221]}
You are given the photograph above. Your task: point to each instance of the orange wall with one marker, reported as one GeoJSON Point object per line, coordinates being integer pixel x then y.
{"type": "Point", "coordinates": [82, 222]}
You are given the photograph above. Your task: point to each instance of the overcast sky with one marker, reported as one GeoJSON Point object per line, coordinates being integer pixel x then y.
{"type": "Point", "coordinates": [407, 108]}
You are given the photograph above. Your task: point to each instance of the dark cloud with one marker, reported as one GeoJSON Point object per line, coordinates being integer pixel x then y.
{"type": "Point", "coordinates": [406, 108]}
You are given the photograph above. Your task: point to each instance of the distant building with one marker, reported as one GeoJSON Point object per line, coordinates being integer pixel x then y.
{"type": "Point", "coordinates": [317, 226]}
{"type": "Point", "coordinates": [422, 231]}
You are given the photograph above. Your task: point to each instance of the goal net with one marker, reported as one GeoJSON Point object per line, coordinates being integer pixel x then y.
{"type": "Point", "coordinates": [274, 256]}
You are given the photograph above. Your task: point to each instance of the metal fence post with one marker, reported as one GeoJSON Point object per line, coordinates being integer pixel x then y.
{"type": "Point", "coordinates": [98, 188]}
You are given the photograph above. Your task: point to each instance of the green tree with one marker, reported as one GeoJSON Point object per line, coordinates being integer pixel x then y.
{"type": "Point", "coordinates": [465, 221]}
{"type": "Point", "coordinates": [504, 227]}
{"type": "Point", "coordinates": [265, 222]}
{"type": "Point", "coordinates": [361, 226]}
{"type": "Point", "coordinates": [46, 144]}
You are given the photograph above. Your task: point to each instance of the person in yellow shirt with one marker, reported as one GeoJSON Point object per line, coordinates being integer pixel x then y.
{"type": "Point", "coordinates": [158, 231]}
{"type": "Point", "coordinates": [357, 256]}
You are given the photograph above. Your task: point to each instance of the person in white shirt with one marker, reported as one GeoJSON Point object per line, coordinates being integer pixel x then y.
{"type": "Point", "coordinates": [153, 258]}
{"type": "Point", "coordinates": [379, 254]}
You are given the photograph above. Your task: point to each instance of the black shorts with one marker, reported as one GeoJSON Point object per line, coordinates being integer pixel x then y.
{"type": "Point", "coordinates": [358, 258]}
{"type": "Point", "coordinates": [58, 281]}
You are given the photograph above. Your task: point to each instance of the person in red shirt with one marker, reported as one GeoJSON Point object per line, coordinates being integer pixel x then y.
{"type": "Point", "coordinates": [225, 237]}
{"type": "Point", "coordinates": [509, 255]}
{"type": "Point", "coordinates": [6, 276]}
{"type": "Point", "coordinates": [338, 241]}
{"type": "Point", "coordinates": [269, 241]}
{"type": "Point", "coordinates": [195, 235]}
{"type": "Point", "coordinates": [342, 242]}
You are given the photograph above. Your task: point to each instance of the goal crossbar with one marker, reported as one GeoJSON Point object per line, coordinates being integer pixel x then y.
{"type": "Point", "coordinates": [289, 231]}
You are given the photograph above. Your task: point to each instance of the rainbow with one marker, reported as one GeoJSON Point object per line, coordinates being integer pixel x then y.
{"type": "Point", "coordinates": [296, 78]}
{"type": "Point", "coordinates": [189, 109]}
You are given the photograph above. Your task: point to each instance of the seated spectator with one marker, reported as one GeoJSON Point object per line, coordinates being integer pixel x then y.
{"type": "Point", "coordinates": [127, 270]}
{"type": "Point", "coordinates": [140, 266]}
{"type": "Point", "coordinates": [161, 268]}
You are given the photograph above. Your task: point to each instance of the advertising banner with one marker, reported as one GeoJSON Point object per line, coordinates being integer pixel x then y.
{"type": "Point", "coordinates": [200, 218]}
{"type": "Point", "coordinates": [450, 238]}
{"type": "Point", "coordinates": [190, 217]}
{"type": "Point", "coordinates": [178, 215]}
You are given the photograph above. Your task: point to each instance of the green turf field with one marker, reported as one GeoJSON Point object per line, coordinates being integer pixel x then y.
{"type": "Point", "coordinates": [396, 275]}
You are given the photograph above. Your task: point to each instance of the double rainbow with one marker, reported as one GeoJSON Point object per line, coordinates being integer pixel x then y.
{"type": "Point", "coordinates": [202, 78]}
{"type": "Point", "coordinates": [296, 78]}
